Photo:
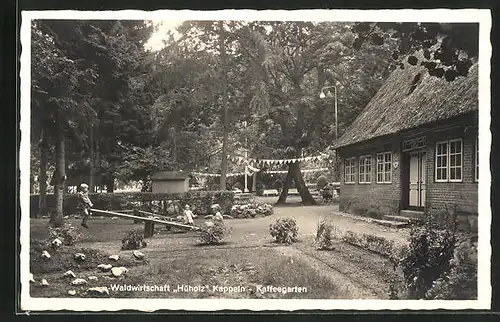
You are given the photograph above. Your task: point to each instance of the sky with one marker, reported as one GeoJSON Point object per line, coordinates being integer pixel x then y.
{"type": "Point", "coordinates": [155, 43]}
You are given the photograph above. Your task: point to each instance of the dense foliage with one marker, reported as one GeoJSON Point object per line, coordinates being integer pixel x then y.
{"type": "Point", "coordinates": [284, 230]}
{"type": "Point", "coordinates": [134, 239]}
{"type": "Point", "coordinates": [213, 233]}
{"type": "Point", "coordinates": [200, 201]}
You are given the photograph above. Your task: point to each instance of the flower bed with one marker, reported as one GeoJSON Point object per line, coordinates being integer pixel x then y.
{"type": "Point", "coordinates": [252, 210]}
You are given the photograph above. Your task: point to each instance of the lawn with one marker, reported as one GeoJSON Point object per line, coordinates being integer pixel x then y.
{"type": "Point", "coordinates": [248, 266]}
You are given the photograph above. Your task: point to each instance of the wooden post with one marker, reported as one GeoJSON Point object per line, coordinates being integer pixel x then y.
{"type": "Point", "coordinates": [149, 229]}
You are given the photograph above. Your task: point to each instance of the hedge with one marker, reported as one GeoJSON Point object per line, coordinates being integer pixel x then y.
{"type": "Point", "coordinates": [200, 201]}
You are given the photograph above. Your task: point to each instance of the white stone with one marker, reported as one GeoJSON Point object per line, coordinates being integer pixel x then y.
{"type": "Point", "coordinates": [118, 271]}
{"type": "Point", "coordinates": [138, 254]}
{"type": "Point", "coordinates": [66, 217]}
{"type": "Point", "coordinates": [92, 278]}
{"type": "Point", "coordinates": [99, 290]}
{"type": "Point", "coordinates": [80, 256]}
{"type": "Point", "coordinates": [45, 254]}
{"type": "Point", "coordinates": [44, 282]}
{"type": "Point", "coordinates": [56, 243]}
{"type": "Point", "coordinates": [69, 274]}
{"type": "Point", "coordinates": [114, 257]}
{"type": "Point", "coordinates": [79, 281]}
{"type": "Point", "coordinates": [72, 292]}
{"type": "Point", "coordinates": [32, 278]}
{"type": "Point", "coordinates": [104, 267]}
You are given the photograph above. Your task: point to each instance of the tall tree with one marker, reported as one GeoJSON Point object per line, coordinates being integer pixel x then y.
{"type": "Point", "coordinates": [292, 62]}
{"type": "Point", "coordinates": [59, 98]}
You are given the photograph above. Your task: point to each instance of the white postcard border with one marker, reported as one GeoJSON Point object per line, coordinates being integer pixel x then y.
{"type": "Point", "coordinates": [481, 16]}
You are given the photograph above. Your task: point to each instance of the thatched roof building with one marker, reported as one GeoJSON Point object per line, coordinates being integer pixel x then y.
{"type": "Point", "coordinates": [410, 98]}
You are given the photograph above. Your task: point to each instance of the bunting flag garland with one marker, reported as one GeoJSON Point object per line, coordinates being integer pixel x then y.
{"type": "Point", "coordinates": [306, 170]}
{"type": "Point", "coordinates": [243, 173]}
{"type": "Point", "coordinates": [254, 162]}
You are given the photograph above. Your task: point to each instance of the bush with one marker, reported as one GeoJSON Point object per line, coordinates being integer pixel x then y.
{"type": "Point", "coordinates": [66, 234]}
{"type": "Point", "coordinates": [133, 240]}
{"type": "Point", "coordinates": [377, 244]}
{"type": "Point", "coordinates": [200, 201]}
{"type": "Point", "coordinates": [238, 185]}
{"type": "Point", "coordinates": [430, 251]}
{"type": "Point", "coordinates": [461, 282]}
{"type": "Point", "coordinates": [284, 230]}
{"type": "Point", "coordinates": [321, 183]}
{"type": "Point", "coordinates": [368, 208]}
{"type": "Point", "coordinates": [251, 210]}
{"type": "Point", "coordinates": [325, 235]}
{"type": "Point", "coordinates": [213, 234]}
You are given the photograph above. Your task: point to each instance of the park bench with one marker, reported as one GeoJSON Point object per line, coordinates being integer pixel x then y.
{"type": "Point", "coordinates": [149, 222]}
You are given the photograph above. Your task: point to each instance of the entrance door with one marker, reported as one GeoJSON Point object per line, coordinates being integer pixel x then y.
{"type": "Point", "coordinates": [417, 179]}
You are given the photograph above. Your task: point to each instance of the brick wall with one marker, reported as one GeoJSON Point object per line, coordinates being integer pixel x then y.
{"type": "Point", "coordinates": [388, 194]}
{"type": "Point", "coordinates": [438, 194]}
{"type": "Point", "coordinates": [463, 194]}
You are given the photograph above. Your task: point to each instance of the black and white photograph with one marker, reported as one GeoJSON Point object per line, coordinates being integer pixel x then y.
{"type": "Point", "coordinates": [259, 160]}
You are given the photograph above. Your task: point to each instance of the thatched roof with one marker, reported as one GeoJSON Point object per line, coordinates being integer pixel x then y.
{"type": "Point", "coordinates": [398, 107]}
{"type": "Point", "coordinates": [170, 175]}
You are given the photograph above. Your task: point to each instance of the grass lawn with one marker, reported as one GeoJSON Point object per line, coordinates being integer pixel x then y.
{"type": "Point", "coordinates": [248, 266]}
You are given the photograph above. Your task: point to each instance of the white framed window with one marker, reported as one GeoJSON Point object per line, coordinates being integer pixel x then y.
{"type": "Point", "coordinates": [449, 161]}
{"type": "Point", "coordinates": [365, 169]}
{"type": "Point", "coordinates": [477, 159]}
{"type": "Point", "coordinates": [384, 167]}
{"type": "Point", "coordinates": [350, 170]}
{"type": "Point", "coordinates": [442, 161]}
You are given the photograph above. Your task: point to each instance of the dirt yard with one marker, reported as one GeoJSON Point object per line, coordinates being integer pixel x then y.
{"type": "Point", "coordinates": [247, 266]}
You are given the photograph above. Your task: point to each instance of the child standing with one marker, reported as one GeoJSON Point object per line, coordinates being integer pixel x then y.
{"type": "Point", "coordinates": [84, 203]}
{"type": "Point", "coordinates": [188, 215]}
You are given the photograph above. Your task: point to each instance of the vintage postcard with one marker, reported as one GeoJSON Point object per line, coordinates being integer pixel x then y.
{"type": "Point", "coordinates": [255, 160]}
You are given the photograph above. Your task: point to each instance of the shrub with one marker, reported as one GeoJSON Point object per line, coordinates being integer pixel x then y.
{"type": "Point", "coordinates": [251, 210]}
{"type": "Point", "coordinates": [368, 208]}
{"type": "Point", "coordinates": [213, 234]}
{"type": "Point", "coordinates": [201, 201]}
{"type": "Point", "coordinates": [238, 185]}
{"type": "Point", "coordinates": [321, 182]}
{"type": "Point", "coordinates": [67, 234]}
{"type": "Point", "coordinates": [461, 282]}
{"type": "Point", "coordinates": [133, 240]}
{"type": "Point", "coordinates": [325, 235]}
{"type": "Point", "coordinates": [430, 252]}
{"type": "Point", "coordinates": [284, 230]}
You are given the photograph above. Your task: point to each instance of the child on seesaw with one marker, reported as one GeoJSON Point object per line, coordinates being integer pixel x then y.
{"type": "Point", "coordinates": [84, 203]}
{"type": "Point", "coordinates": [188, 215]}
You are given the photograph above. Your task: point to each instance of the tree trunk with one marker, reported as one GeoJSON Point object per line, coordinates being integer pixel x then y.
{"type": "Point", "coordinates": [286, 186]}
{"type": "Point", "coordinates": [174, 152]}
{"type": "Point", "coordinates": [56, 218]}
{"type": "Point", "coordinates": [307, 198]}
{"type": "Point", "coordinates": [42, 177]}
{"type": "Point", "coordinates": [225, 129]}
{"type": "Point", "coordinates": [92, 161]}
{"type": "Point", "coordinates": [110, 184]}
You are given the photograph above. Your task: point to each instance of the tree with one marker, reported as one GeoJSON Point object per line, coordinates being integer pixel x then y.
{"type": "Point", "coordinates": [448, 48]}
{"type": "Point", "coordinates": [84, 73]}
{"type": "Point", "coordinates": [291, 63]}
{"type": "Point", "coordinates": [59, 99]}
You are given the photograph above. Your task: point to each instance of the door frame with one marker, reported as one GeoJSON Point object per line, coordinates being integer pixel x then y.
{"type": "Point", "coordinates": [405, 179]}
